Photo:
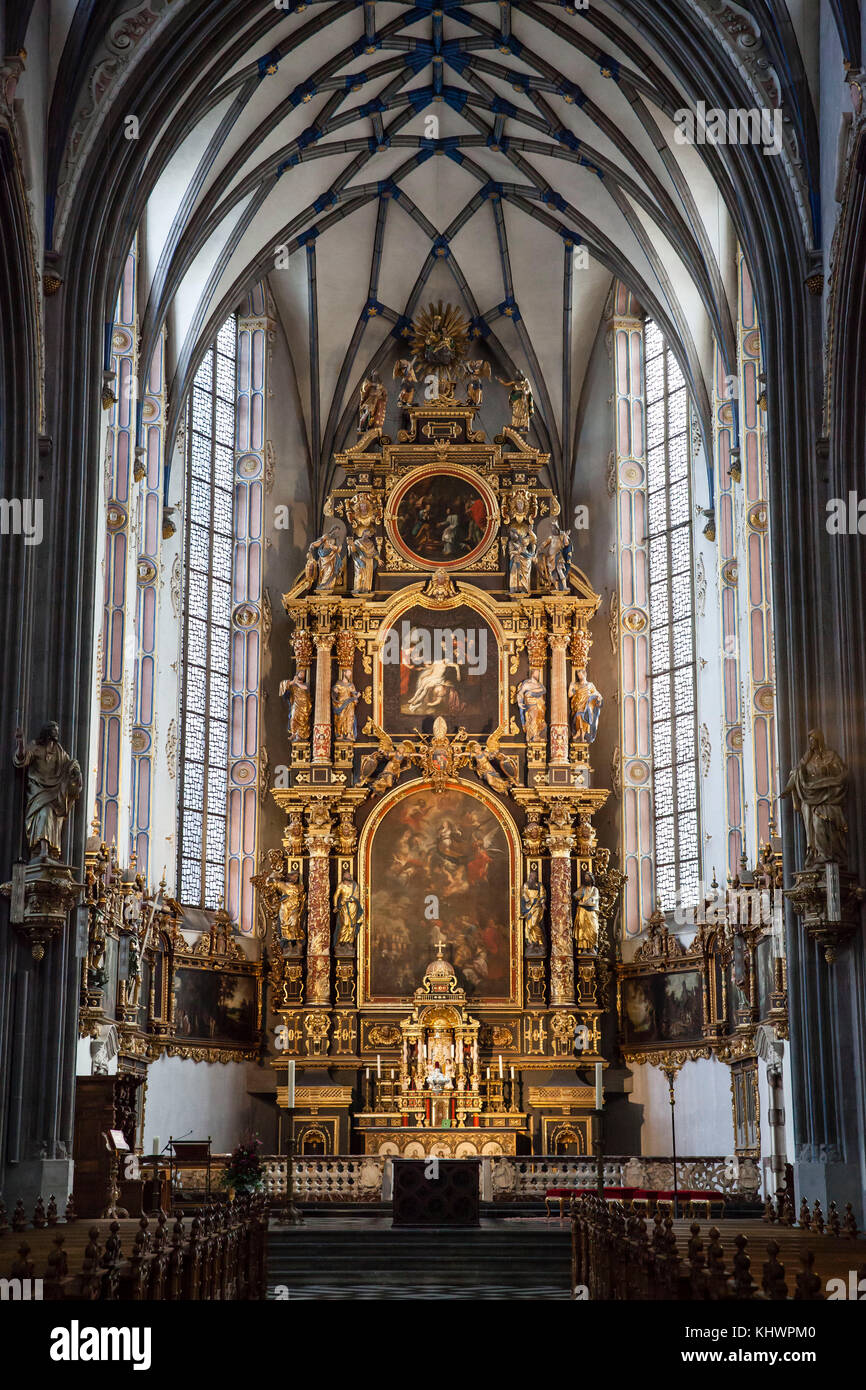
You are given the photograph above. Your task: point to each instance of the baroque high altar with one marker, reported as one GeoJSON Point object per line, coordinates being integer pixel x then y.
{"type": "Point", "coordinates": [439, 899]}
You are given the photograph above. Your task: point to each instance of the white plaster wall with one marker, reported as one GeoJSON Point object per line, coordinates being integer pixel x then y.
{"type": "Point", "coordinates": [705, 1126]}
{"type": "Point", "coordinates": [195, 1099]}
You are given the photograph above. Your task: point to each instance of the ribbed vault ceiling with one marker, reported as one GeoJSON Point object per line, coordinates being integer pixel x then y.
{"type": "Point", "coordinates": [407, 152]}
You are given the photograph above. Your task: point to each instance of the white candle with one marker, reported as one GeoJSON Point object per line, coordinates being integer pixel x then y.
{"type": "Point", "coordinates": [379, 1066]}
{"type": "Point", "coordinates": [156, 1144]}
{"type": "Point", "coordinates": [290, 1085]}
{"type": "Point", "coordinates": [488, 1073]}
{"type": "Point", "coordinates": [512, 1073]}
{"type": "Point", "coordinates": [500, 1066]}
{"type": "Point", "coordinates": [599, 1092]}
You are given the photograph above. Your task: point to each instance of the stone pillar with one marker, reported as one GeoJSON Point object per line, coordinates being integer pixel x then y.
{"type": "Point", "coordinates": [558, 699]}
{"type": "Point", "coordinates": [560, 841]}
{"type": "Point", "coordinates": [319, 840]}
{"type": "Point", "coordinates": [322, 714]}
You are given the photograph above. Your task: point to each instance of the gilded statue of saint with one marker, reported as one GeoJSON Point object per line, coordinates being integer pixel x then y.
{"type": "Point", "coordinates": [54, 784]}
{"type": "Point", "coordinates": [532, 706]}
{"type": "Point", "coordinates": [520, 400]}
{"type": "Point", "coordinates": [586, 917]}
{"type": "Point", "coordinates": [344, 698]}
{"type": "Point", "coordinates": [293, 901]}
{"type": "Point", "coordinates": [296, 693]}
{"type": "Point", "coordinates": [585, 701]}
{"type": "Point", "coordinates": [554, 559]}
{"type": "Point", "coordinates": [325, 561]}
{"type": "Point", "coordinates": [817, 786]}
{"type": "Point", "coordinates": [362, 549]}
{"type": "Point", "coordinates": [347, 905]}
{"type": "Point", "coordinates": [521, 550]}
{"type": "Point", "coordinates": [533, 901]}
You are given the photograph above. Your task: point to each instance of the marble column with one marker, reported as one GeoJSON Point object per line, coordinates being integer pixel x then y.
{"type": "Point", "coordinates": [558, 699]}
{"type": "Point", "coordinates": [319, 841]}
{"type": "Point", "coordinates": [560, 842]}
{"type": "Point", "coordinates": [322, 715]}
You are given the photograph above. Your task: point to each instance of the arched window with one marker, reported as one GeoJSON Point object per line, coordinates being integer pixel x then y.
{"type": "Point", "coordinates": [205, 651]}
{"type": "Point", "coordinates": [672, 684]}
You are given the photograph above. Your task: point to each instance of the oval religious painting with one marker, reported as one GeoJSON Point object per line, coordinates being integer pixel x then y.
{"type": "Point", "coordinates": [447, 849]}
{"type": "Point", "coordinates": [441, 517]}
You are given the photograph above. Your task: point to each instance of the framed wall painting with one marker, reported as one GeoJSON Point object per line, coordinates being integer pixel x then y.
{"type": "Point", "coordinates": [441, 517]}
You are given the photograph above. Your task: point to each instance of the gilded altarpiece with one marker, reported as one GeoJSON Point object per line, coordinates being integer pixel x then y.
{"type": "Point", "coordinates": [439, 898]}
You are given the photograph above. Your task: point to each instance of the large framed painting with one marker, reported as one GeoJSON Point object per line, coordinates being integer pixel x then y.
{"type": "Point", "coordinates": [441, 517]}
{"type": "Point", "coordinates": [215, 1007]}
{"type": "Point", "coordinates": [435, 661]}
{"type": "Point", "coordinates": [662, 1008]}
{"type": "Point", "coordinates": [439, 866]}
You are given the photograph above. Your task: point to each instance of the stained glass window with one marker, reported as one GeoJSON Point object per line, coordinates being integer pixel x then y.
{"type": "Point", "coordinates": [672, 635]}
{"type": "Point", "coordinates": [203, 770]}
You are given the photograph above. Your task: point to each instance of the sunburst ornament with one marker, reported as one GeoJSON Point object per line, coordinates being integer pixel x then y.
{"type": "Point", "coordinates": [440, 339]}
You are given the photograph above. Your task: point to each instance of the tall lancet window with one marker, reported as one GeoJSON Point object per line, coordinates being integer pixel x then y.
{"type": "Point", "coordinates": [672, 634]}
{"type": "Point", "coordinates": [205, 662]}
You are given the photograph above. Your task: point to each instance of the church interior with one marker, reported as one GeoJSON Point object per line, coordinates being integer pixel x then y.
{"type": "Point", "coordinates": [432, 603]}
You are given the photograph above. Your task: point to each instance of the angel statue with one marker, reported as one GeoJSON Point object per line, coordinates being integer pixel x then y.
{"type": "Point", "coordinates": [395, 761]}
{"type": "Point", "coordinates": [404, 372]}
{"type": "Point", "coordinates": [532, 706]}
{"type": "Point", "coordinates": [477, 371]}
{"type": "Point", "coordinates": [324, 561]}
{"type": "Point", "coordinates": [500, 779]}
{"type": "Point", "coordinates": [347, 905]}
{"type": "Point", "coordinates": [362, 549]}
{"type": "Point", "coordinates": [521, 550]}
{"type": "Point", "coordinates": [296, 693]}
{"type": "Point", "coordinates": [54, 784]}
{"type": "Point", "coordinates": [373, 404]}
{"type": "Point", "coordinates": [585, 701]}
{"type": "Point", "coordinates": [586, 917]}
{"type": "Point", "coordinates": [520, 400]}
{"type": "Point", "coordinates": [554, 559]}
{"type": "Point", "coordinates": [533, 901]}
{"type": "Point", "coordinates": [817, 786]}
{"type": "Point", "coordinates": [344, 698]}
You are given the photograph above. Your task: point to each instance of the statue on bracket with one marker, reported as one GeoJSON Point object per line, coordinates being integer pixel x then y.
{"type": "Point", "coordinates": [347, 905]}
{"type": "Point", "coordinates": [296, 693]}
{"type": "Point", "coordinates": [373, 404]}
{"type": "Point", "coordinates": [532, 707]}
{"type": "Point", "coordinates": [533, 902]}
{"type": "Point", "coordinates": [554, 559]}
{"type": "Point", "coordinates": [520, 400]}
{"type": "Point", "coordinates": [344, 698]}
{"type": "Point", "coordinates": [586, 917]}
{"type": "Point", "coordinates": [501, 780]}
{"type": "Point", "coordinates": [585, 701]}
{"type": "Point", "coordinates": [818, 786]}
{"type": "Point", "coordinates": [324, 561]}
{"type": "Point", "coordinates": [54, 784]}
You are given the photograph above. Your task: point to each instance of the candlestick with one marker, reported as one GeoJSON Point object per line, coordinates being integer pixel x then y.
{"type": "Point", "coordinates": [599, 1090]}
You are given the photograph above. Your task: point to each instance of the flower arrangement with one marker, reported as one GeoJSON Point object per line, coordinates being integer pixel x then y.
{"type": "Point", "coordinates": [244, 1170]}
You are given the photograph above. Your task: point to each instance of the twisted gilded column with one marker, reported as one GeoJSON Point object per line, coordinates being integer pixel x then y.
{"type": "Point", "coordinates": [558, 698]}
{"type": "Point", "coordinates": [319, 840]}
{"type": "Point", "coordinates": [322, 714]}
{"type": "Point", "coordinates": [560, 841]}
